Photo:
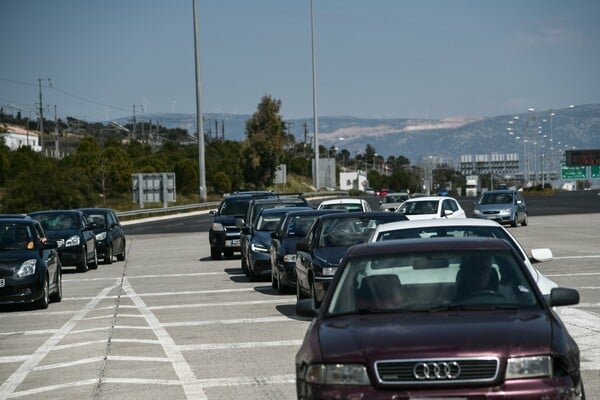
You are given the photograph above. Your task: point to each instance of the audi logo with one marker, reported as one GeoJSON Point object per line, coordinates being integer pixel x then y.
{"type": "Point", "coordinates": [436, 370]}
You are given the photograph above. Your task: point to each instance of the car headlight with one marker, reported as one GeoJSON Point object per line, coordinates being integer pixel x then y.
{"type": "Point", "coordinates": [73, 241]}
{"type": "Point", "coordinates": [289, 258]}
{"type": "Point", "coordinates": [476, 212]}
{"type": "Point", "coordinates": [101, 236]}
{"type": "Point", "coordinates": [506, 211]}
{"type": "Point", "coordinates": [217, 227]}
{"type": "Point", "coordinates": [329, 271]}
{"type": "Point", "coordinates": [337, 374]}
{"type": "Point", "coordinates": [258, 248]}
{"type": "Point", "coordinates": [528, 367]}
{"type": "Point", "coordinates": [26, 269]}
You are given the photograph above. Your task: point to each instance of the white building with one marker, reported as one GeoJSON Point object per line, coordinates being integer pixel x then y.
{"type": "Point", "coordinates": [18, 137]}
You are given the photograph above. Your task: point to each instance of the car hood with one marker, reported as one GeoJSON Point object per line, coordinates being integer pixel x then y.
{"type": "Point", "coordinates": [14, 258]}
{"type": "Point", "coordinates": [416, 335]}
{"type": "Point", "coordinates": [492, 207]}
{"type": "Point", "coordinates": [262, 237]}
{"type": "Point", "coordinates": [61, 234]}
{"type": "Point", "coordinates": [227, 219]}
{"type": "Point", "coordinates": [331, 255]}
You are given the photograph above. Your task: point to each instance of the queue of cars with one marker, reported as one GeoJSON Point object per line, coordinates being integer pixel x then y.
{"type": "Point", "coordinates": [35, 247]}
{"type": "Point", "coordinates": [443, 307]}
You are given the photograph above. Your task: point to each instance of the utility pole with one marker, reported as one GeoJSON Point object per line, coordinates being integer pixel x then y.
{"type": "Point", "coordinates": [41, 116]}
{"type": "Point", "coordinates": [134, 123]}
{"type": "Point", "coordinates": [314, 81]}
{"type": "Point", "coordinates": [56, 147]}
{"type": "Point", "coordinates": [199, 122]}
{"type": "Point", "coordinates": [223, 128]}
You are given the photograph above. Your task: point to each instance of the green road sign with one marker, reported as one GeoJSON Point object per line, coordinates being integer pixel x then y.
{"type": "Point", "coordinates": [573, 172]}
{"type": "Point", "coordinates": [595, 171]}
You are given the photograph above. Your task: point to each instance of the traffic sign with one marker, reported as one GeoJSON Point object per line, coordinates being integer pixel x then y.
{"type": "Point", "coordinates": [595, 171]}
{"type": "Point", "coordinates": [572, 172]}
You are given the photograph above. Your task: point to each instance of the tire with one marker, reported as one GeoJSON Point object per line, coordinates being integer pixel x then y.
{"type": "Point", "coordinates": [515, 221]}
{"type": "Point", "coordinates": [108, 258]}
{"type": "Point", "coordinates": [299, 294]}
{"type": "Point", "coordinates": [251, 275]}
{"type": "Point", "coordinates": [94, 263]}
{"type": "Point", "coordinates": [83, 265]}
{"type": "Point", "coordinates": [244, 265]}
{"type": "Point", "coordinates": [316, 304]}
{"type": "Point", "coordinates": [42, 303]}
{"type": "Point", "coordinates": [121, 257]}
{"type": "Point", "coordinates": [274, 282]}
{"type": "Point", "coordinates": [215, 253]}
{"type": "Point", "coordinates": [56, 297]}
{"type": "Point", "coordinates": [524, 222]}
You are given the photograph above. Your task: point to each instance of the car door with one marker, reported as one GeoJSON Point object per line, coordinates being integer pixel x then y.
{"type": "Point", "coordinates": [520, 205]}
{"type": "Point", "coordinates": [49, 256]}
{"type": "Point", "coordinates": [304, 258]}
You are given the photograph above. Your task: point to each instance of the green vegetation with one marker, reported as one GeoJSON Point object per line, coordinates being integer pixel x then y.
{"type": "Point", "coordinates": [99, 160]}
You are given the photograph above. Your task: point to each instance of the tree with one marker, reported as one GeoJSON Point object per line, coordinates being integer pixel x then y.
{"type": "Point", "coordinates": [264, 145]}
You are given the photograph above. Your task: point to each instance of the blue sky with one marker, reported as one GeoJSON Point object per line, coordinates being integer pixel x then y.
{"type": "Point", "coordinates": [374, 58]}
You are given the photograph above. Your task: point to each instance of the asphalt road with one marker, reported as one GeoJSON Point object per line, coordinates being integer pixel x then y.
{"type": "Point", "coordinates": [169, 322]}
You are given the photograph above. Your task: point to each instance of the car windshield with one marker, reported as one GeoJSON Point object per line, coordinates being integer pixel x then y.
{"type": "Point", "coordinates": [336, 232]}
{"type": "Point", "coordinates": [269, 222]}
{"type": "Point", "coordinates": [56, 221]}
{"type": "Point", "coordinates": [15, 237]}
{"type": "Point", "coordinates": [395, 198]}
{"type": "Point", "coordinates": [98, 219]}
{"type": "Point", "coordinates": [299, 225]}
{"type": "Point", "coordinates": [234, 207]}
{"type": "Point", "coordinates": [419, 207]}
{"type": "Point", "coordinates": [432, 281]}
{"type": "Point", "coordinates": [350, 207]}
{"type": "Point", "coordinates": [496, 198]}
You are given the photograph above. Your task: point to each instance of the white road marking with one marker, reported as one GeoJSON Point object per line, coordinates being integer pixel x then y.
{"type": "Point", "coordinates": [13, 359]}
{"type": "Point", "coordinates": [249, 380]}
{"type": "Point", "coordinates": [248, 345]}
{"type": "Point", "coordinates": [249, 289]}
{"type": "Point", "coordinates": [585, 329]}
{"type": "Point", "coordinates": [101, 358]}
{"type": "Point", "coordinates": [45, 389]}
{"type": "Point", "coordinates": [183, 370]}
{"type": "Point", "coordinates": [224, 304]}
{"type": "Point", "coordinates": [145, 277]}
{"type": "Point", "coordinates": [21, 373]}
{"type": "Point", "coordinates": [229, 321]}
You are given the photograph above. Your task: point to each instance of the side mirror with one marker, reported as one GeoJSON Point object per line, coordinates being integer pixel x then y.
{"type": "Point", "coordinates": [563, 297]}
{"type": "Point", "coordinates": [448, 213]}
{"type": "Point", "coordinates": [212, 212]}
{"type": "Point", "coordinates": [239, 222]}
{"type": "Point", "coordinates": [50, 244]}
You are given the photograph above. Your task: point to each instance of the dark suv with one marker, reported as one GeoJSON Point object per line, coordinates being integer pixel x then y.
{"type": "Point", "coordinates": [224, 234]}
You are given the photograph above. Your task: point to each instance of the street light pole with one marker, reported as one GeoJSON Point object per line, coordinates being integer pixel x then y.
{"type": "Point", "coordinates": [199, 122]}
{"type": "Point", "coordinates": [314, 82]}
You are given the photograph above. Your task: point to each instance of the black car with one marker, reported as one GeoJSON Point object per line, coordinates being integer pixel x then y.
{"type": "Point", "coordinates": [319, 255]}
{"type": "Point", "coordinates": [294, 226]}
{"type": "Point", "coordinates": [258, 259]}
{"type": "Point", "coordinates": [77, 234]}
{"type": "Point", "coordinates": [246, 223]}
{"type": "Point", "coordinates": [224, 234]}
{"type": "Point", "coordinates": [30, 269]}
{"type": "Point", "coordinates": [439, 318]}
{"type": "Point", "coordinates": [110, 238]}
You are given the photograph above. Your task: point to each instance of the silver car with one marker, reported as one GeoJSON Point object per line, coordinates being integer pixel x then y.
{"type": "Point", "coordinates": [502, 206]}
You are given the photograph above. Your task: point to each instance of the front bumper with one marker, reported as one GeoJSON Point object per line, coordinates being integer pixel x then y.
{"type": "Point", "coordinates": [502, 218]}
{"type": "Point", "coordinates": [321, 284]}
{"type": "Point", "coordinates": [71, 256]}
{"type": "Point", "coordinates": [557, 388]}
{"type": "Point", "coordinates": [223, 240]}
{"type": "Point", "coordinates": [20, 290]}
{"type": "Point", "coordinates": [287, 273]}
{"type": "Point", "coordinates": [260, 263]}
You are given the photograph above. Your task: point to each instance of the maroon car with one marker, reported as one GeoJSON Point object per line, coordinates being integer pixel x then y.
{"type": "Point", "coordinates": [440, 318]}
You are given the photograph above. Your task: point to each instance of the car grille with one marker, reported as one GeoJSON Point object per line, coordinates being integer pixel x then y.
{"type": "Point", "coordinates": [491, 212]}
{"type": "Point", "coordinates": [410, 372]}
{"type": "Point", "coordinates": [231, 229]}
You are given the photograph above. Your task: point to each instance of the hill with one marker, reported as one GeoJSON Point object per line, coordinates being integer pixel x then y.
{"type": "Point", "coordinates": [577, 127]}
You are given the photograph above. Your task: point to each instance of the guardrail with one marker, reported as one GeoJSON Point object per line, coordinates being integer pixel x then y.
{"type": "Point", "coordinates": [203, 206]}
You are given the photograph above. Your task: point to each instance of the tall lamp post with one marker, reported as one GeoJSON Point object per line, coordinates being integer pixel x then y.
{"type": "Point", "coordinates": [314, 82]}
{"type": "Point", "coordinates": [199, 122]}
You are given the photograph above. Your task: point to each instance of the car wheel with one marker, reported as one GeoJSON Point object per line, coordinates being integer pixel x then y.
{"type": "Point", "coordinates": [43, 302]}
{"type": "Point", "coordinates": [244, 264]}
{"type": "Point", "coordinates": [313, 293]}
{"type": "Point", "coordinates": [524, 222]}
{"type": "Point", "coordinates": [57, 295]}
{"type": "Point", "coordinates": [274, 279]}
{"type": "Point", "coordinates": [251, 275]}
{"type": "Point", "coordinates": [83, 265]}
{"type": "Point", "coordinates": [121, 257]}
{"type": "Point", "coordinates": [215, 253]}
{"type": "Point", "coordinates": [94, 263]}
{"type": "Point", "coordinates": [280, 288]}
{"type": "Point", "coordinates": [108, 258]}
{"type": "Point", "coordinates": [515, 221]}
{"type": "Point", "coordinates": [299, 294]}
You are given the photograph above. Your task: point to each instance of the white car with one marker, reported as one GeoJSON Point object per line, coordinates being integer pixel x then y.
{"type": "Point", "coordinates": [346, 203]}
{"type": "Point", "coordinates": [465, 228]}
{"type": "Point", "coordinates": [431, 207]}
{"type": "Point", "coordinates": [391, 201]}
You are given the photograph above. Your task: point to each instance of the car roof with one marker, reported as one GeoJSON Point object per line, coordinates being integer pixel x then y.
{"type": "Point", "coordinates": [276, 200]}
{"type": "Point", "coordinates": [250, 194]}
{"type": "Point", "coordinates": [300, 211]}
{"type": "Point", "coordinates": [345, 200]}
{"type": "Point", "coordinates": [400, 246]}
{"type": "Point", "coordinates": [429, 198]}
{"type": "Point", "coordinates": [92, 209]}
{"type": "Point", "coordinates": [368, 214]}
{"type": "Point", "coordinates": [277, 210]}
{"type": "Point", "coordinates": [56, 211]}
{"type": "Point", "coordinates": [425, 223]}
{"type": "Point", "coordinates": [501, 191]}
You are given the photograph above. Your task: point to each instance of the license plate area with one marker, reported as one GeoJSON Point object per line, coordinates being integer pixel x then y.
{"type": "Point", "coordinates": [232, 243]}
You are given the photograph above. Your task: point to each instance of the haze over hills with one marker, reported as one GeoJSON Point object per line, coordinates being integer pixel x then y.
{"type": "Point", "coordinates": [577, 127]}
